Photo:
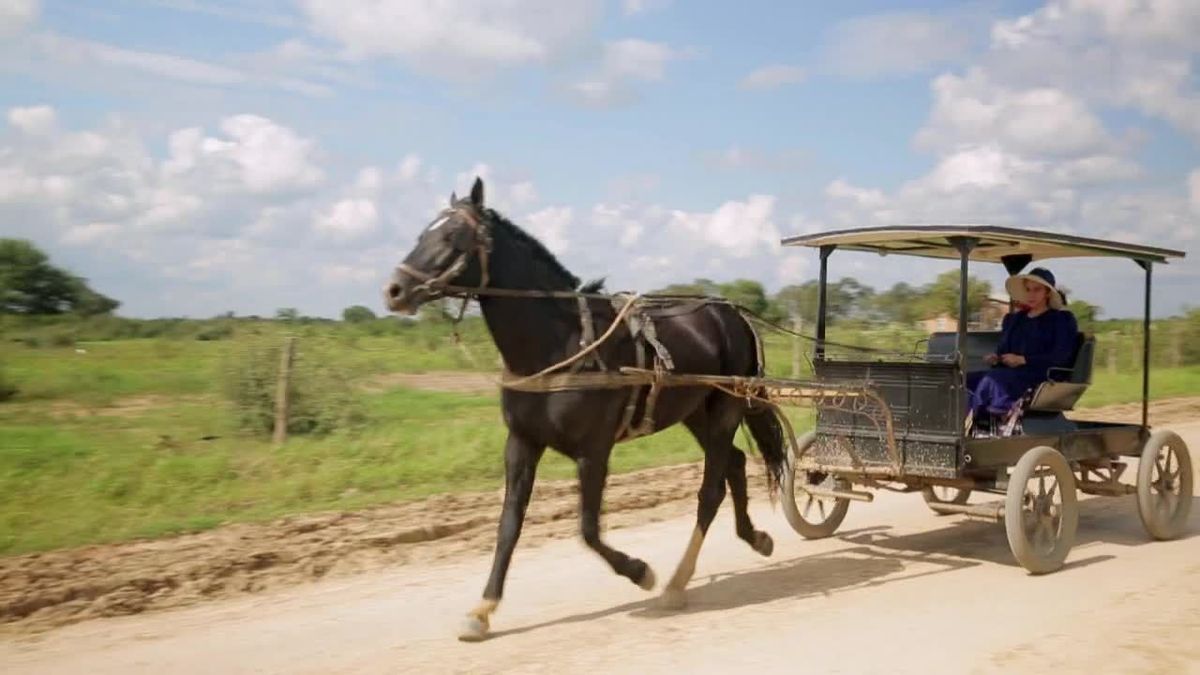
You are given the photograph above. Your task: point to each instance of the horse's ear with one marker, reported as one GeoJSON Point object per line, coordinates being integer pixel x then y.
{"type": "Point", "coordinates": [477, 193]}
{"type": "Point", "coordinates": [453, 197]}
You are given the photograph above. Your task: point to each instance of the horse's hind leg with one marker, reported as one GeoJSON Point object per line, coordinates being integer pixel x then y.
{"type": "Point", "coordinates": [520, 466]}
{"type": "Point", "coordinates": [593, 474]}
{"type": "Point", "coordinates": [717, 444]}
{"type": "Point", "coordinates": [735, 476]}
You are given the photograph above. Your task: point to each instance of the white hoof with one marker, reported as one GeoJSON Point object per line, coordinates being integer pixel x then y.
{"type": "Point", "coordinates": [672, 599]}
{"type": "Point", "coordinates": [648, 580]}
{"type": "Point", "coordinates": [473, 629]}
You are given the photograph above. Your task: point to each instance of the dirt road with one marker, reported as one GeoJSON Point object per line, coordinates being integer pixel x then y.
{"type": "Point", "coordinates": [898, 590]}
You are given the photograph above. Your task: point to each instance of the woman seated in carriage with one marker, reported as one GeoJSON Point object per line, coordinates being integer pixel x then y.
{"type": "Point", "coordinates": [1040, 336]}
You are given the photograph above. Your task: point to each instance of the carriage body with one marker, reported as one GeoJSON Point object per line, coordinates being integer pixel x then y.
{"type": "Point", "coordinates": [930, 447]}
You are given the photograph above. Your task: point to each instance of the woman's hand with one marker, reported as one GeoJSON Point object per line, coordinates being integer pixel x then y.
{"type": "Point", "coordinates": [1012, 360]}
{"type": "Point", "coordinates": [991, 359]}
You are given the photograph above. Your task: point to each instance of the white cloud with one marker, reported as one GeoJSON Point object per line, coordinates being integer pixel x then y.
{"type": "Point", "coordinates": [458, 38]}
{"type": "Point", "coordinates": [773, 77]}
{"type": "Point", "coordinates": [899, 43]}
{"type": "Point", "coordinates": [1039, 121]}
{"type": "Point", "coordinates": [1194, 190]}
{"type": "Point", "coordinates": [738, 229]}
{"type": "Point", "coordinates": [625, 62]}
{"type": "Point", "coordinates": [409, 167]}
{"type": "Point", "coordinates": [793, 269]}
{"type": "Point", "coordinates": [17, 15]}
{"type": "Point", "coordinates": [1137, 55]}
{"type": "Point", "coordinates": [38, 119]}
{"type": "Point", "coordinates": [163, 65]}
{"type": "Point", "coordinates": [348, 219]}
{"type": "Point", "coordinates": [620, 222]}
{"type": "Point", "coordinates": [83, 235]}
{"type": "Point", "coordinates": [47, 48]}
{"type": "Point", "coordinates": [343, 275]}
{"type": "Point", "coordinates": [257, 156]}
{"type": "Point", "coordinates": [550, 227]}
{"type": "Point", "coordinates": [635, 7]}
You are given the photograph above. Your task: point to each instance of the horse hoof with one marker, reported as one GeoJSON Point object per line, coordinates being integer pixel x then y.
{"type": "Point", "coordinates": [763, 544]}
{"type": "Point", "coordinates": [647, 582]}
{"type": "Point", "coordinates": [473, 629]}
{"type": "Point", "coordinates": [672, 599]}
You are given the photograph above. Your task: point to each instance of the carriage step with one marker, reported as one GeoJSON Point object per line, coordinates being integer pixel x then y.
{"type": "Point", "coordinates": [992, 512]}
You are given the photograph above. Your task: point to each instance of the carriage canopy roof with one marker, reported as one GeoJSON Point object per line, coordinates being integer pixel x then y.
{"type": "Point", "coordinates": [993, 244]}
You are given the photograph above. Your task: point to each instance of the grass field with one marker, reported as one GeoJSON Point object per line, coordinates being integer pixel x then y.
{"type": "Point", "coordinates": [132, 439]}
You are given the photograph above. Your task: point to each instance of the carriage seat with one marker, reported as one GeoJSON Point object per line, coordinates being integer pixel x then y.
{"type": "Point", "coordinates": [1065, 386]}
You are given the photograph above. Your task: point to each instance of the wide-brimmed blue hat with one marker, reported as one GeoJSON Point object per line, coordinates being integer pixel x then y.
{"type": "Point", "coordinates": [1016, 286]}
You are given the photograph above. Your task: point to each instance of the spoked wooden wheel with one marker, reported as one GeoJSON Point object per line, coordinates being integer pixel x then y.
{"type": "Point", "coordinates": [1041, 510]}
{"type": "Point", "coordinates": [810, 516]}
{"type": "Point", "coordinates": [1164, 485]}
{"type": "Point", "coordinates": [940, 494]}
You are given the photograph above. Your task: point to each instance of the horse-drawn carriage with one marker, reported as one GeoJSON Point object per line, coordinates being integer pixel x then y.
{"type": "Point", "coordinates": [585, 371]}
{"type": "Point", "coordinates": [1037, 464]}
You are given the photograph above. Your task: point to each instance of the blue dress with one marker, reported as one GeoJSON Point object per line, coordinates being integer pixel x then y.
{"type": "Point", "coordinates": [1047, 340]}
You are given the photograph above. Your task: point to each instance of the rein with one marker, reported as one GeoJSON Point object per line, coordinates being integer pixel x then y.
{"type": "Point", "coordinates": [439, 286]}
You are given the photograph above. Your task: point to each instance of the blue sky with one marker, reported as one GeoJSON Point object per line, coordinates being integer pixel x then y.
{"type": "Point", "coordinates": [196, 156]}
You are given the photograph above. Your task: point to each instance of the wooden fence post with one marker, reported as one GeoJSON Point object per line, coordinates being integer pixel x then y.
{"type": "Point", "coordinates": [282, 391]}
{"type": "Point", "coordinates": [797, 347]}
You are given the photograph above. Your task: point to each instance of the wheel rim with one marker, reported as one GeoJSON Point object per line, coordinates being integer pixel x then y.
{"type": "Point", "coordinates": [1166, 482]}
{"type": "Point", "coordinates": [1042, 511]}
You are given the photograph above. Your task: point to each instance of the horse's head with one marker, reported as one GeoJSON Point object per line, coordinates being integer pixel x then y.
{"type": "Point", "coordinates": [452, 251]}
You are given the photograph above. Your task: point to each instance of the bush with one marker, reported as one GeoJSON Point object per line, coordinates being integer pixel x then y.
{"type": "Point", "coordinates": [7, 388]}
{"type": "Point", "coordinates": [221, 331]}
{"type": "Point", "coordinates": [321, 396]}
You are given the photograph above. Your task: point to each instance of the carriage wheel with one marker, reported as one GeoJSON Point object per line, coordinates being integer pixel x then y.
{"type": "Point", "coordinates": [1164, 485]}
{"type": "Point", "coordinates": [940, 494]}
{"type": "Point", "coordinates": [1041, 510]}
{"type": "Point", "coordinates": [811, 517]}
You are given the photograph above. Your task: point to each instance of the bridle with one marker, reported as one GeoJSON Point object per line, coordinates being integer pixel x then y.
{"type": "Point", "coordinates": [439, 285]}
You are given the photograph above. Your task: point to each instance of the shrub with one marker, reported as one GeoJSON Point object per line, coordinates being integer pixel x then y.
{"type": "Point", "coordinates": [321, 396]}
{"type": "Point", "coordinates": [7, 388]}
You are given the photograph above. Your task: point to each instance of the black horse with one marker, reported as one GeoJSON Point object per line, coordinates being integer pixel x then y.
{"type": "Point", "coordinates": [469, 249]}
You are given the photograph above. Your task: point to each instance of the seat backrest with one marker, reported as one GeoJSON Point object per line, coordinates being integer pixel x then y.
{"type": "Point", "coordinates": [979, 344]}
{"type": "Point", "coordinates": [1081, 370]}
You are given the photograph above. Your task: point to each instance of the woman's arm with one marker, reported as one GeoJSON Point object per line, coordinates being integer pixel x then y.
{"type": "Point", "coordinates": [1006, 325]}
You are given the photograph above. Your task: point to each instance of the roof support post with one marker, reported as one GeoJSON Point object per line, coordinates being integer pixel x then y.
{"type": "Point", "coordinates": [1148, 266]}
{"type": "Point", "coordinates": [964, 245]}
{"type": "Point", "coordinates": [822, 282]}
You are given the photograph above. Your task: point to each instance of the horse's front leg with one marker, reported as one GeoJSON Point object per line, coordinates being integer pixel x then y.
{"type": "Point", "coordinates": [520, 465]}
{"type": "Point", "coordinates": [593, 474]}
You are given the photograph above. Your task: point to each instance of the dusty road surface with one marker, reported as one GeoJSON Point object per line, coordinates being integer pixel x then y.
{"type": "Point", "coordinates": [897, 590]}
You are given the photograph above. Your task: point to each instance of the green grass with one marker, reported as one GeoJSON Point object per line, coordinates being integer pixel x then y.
{"type": "Point", "coordinates": [1126, 387]}
{"type": "Point", "coordinates": [70, 477]}
{"type": "Point", "coordinates": [70, 480]}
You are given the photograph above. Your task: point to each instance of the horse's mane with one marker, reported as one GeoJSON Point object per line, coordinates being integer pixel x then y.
{"type": "Point", "coordinates": [541, 254]}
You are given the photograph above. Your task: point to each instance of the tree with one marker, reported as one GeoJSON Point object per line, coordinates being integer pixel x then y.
{"type": "Point", "coordinates": [1085, 313]}
{"type": "Point", "coordinates": [898, 304]}
{"type": "Point", "coordinates": [941, 296]}
{"type": "Point", "coordinates": [357, 314]}
{"type": "Point", "coordinates": [29, 284]}
{"type": "Point", "coordinates": [287, 314]}
{"type": "Point", "coordinates": [697, 287]}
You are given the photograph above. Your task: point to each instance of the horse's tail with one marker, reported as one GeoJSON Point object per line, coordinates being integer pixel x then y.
{"type": "Point", "coordinates": [765, 427]}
